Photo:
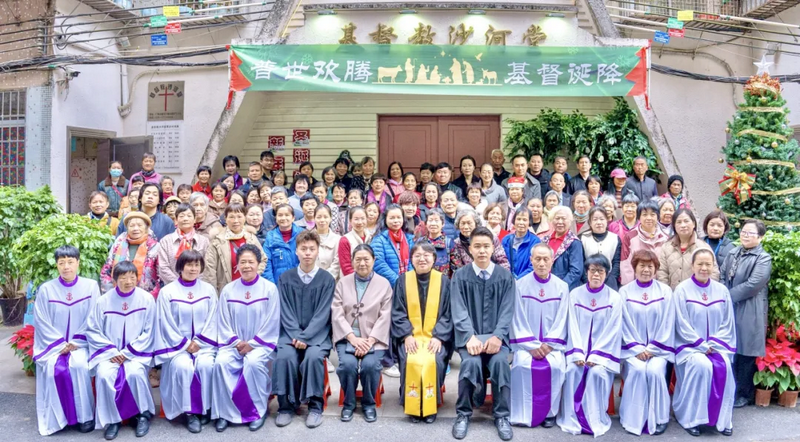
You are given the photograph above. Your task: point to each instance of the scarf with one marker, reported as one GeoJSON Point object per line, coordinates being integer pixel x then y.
{"type": "Point", "coordinates": [141, 253]}
{"type": "Point", "coordinates": [581, 219]}
{"type": "Point", "coordinates": [438, 242]}
{"type": "Point", "coordinates": [400, 243]}
{"type": "Point", "coordinates": [187, 239]}
{"type": "Point", "coordinates": [230, 236]}
{"type": "Point", "coordinates": [147, 174]}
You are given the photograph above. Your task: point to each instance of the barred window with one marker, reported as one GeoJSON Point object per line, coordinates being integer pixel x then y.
{"type": "Point", "coordinates": [12, 137]}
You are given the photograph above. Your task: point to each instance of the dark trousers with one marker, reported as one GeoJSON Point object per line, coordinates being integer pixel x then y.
{"type": "Point", "coordinates": [300, 377]}
{"type": "Point", "coordinates": [352, 369]}
{"type": "Point", "coordinates": [473, 376]}
{"type": "Point", "coordinates": [744, 368]}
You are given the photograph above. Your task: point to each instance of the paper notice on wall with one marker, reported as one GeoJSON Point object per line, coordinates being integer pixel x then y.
{"type": "Point", "coordinates": [301, 137]}
{"type": "Point", "coordinates": [685, 16]}
{"type": "Point", "coordinates": [167, 143]}
{"type": "Point", "coordinates": [276, 142]}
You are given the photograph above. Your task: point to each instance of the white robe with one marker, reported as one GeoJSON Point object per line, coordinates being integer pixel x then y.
{"type": "Point", "coordinates": [648, 324]}
{"type": "Point", "coordinates": [705, 386]}
{"type": "Point", "coordinates": [122, 325]}
{"type": "Point", "coordinates": [594, 335]}
{"type": "Point", "coordinates": [540, 316]}
{"type": "Point", "coordinates": [63, 382]}
{"type": "Point", "coordinates": [185, 312]}
{"type": "Point", "coordinates": [242, 384]}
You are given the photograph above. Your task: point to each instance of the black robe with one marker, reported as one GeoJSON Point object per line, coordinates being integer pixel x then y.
{"type": "Point", "coordinates": [402, 328]}
{"type": "Point", "coordinates": [481, 307]}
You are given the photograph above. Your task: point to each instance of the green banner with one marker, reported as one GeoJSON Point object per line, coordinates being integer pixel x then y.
{"type": "Point", "coordinates": [441, 70]}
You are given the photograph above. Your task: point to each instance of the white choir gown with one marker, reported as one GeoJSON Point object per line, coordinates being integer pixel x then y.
{"type": "Point", "coordinates": [122, 324]}
{"type": "Point", "coordinates": [185, 315]}
{"type": "Point", "coordinates": [63, 382]}
{"type": "Point", "coordinates": [705, 386]}
{"type": "Point", "coordinates": [540, 317]}
{"type": "Point", "coordinates": [594, 335]}
{"type": "Point", "coordinates": [648, 324]}
{"type": "Point", "coordinates": [246, 312]}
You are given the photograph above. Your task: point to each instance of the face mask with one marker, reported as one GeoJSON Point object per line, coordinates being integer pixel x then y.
{"type": "Point", "coordinates": [116, 173]}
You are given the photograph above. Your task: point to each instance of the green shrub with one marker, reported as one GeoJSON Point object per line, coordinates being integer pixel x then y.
{"type": "Point", "coordinates": [784, 283]}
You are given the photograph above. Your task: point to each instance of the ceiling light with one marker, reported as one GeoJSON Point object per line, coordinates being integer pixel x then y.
{"type": "Point", "coordinates": [555, 14]}
{"type": "Point", "coordinates": [408, 11]}
{"type": "Point", "coordinates": [326, 12]}
{"type": "Point", "coordinates": [476, 12]}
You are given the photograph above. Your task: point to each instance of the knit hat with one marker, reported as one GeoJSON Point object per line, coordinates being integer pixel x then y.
{"type": "Point", "coordinates": [618, 173]}
{"type": "Point", "coordinates": [137, 215]}
{"type": "Point", "coordinates": [516, 181]}
{"type": "Point", "coordinates": [674, 178]}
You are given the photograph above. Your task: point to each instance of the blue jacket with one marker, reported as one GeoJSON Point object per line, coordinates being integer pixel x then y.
{"type": "Point", "coordinates": [281, 256]}
{"type": "Point", "coordinates": [449, 228]}
{"type": "Point", "coordinates": [387, 261]}
{"type": "Point", "coordinates": [568, 261]}
{"type": "Point", "coordinates": [520, 259]}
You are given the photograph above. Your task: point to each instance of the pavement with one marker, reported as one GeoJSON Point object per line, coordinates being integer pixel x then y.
{"type": "Point", "coordinates": [18, 417]}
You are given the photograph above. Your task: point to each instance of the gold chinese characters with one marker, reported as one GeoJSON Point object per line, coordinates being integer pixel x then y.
{"type": "Point", "coordinates": [349, 37]}
{"type": "Point", "coordinates": [422, 35]}
{"type": "Point", "coordinates": [496, 37]}
{"type": "Point", "coordinates": [383, 35]}
{"type": "Point", "coordinates": [534, 35]}
{"type": "Point", "coordinates": [460, 34]}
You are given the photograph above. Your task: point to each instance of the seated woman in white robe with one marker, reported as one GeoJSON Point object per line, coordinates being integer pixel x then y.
{"type": "Point", "coordinates": [63, 382]}
{"type": "Point", "coordinates": [647, 345]}
{"type": "Point", "coordinates": [705, 343]}
{"type": "Point", "coordinates": [248, 322]}
{"type": "Point", "coordinates": [186, 309]}
{"type": "Point", "coordinates": [538, 338]}
{"type": "Point", "coordinates": [120, 333]}
{"type": "Point", "coordinates": [593, 349]}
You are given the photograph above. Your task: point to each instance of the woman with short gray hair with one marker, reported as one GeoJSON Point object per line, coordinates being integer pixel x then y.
{"type": "Point", "coordinates": [468, 220]}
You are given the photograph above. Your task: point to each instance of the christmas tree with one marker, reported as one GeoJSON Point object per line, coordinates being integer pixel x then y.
{"type": "Point", "coordinates": [761, 180]}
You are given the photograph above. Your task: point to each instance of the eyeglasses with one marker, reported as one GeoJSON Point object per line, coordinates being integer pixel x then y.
{"type": "Point", "coordinates": [745, 234]}
{"type": "Point", "coordinates": [596, 271]}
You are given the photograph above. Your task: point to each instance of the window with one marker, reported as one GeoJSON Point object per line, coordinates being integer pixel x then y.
{"type": "Point", "coordinates": [12, 137]}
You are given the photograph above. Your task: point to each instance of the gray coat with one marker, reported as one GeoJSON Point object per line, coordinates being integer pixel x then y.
{"type": "Point", "coordinates": [532, 187]}
{"type": "Point", "coordinates": [748, 288]}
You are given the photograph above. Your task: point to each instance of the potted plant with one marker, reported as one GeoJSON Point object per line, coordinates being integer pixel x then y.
{"type": "Point", "coordinates": [22, 344]}
{"type": "Point", "coordinates": [765, 381]}
{"type": "Point", "coordinates": [788, 386]}
{"type": "Point", "coordinates": [779, 367]}
{"type": "Point", "coordinates": [20, 210]}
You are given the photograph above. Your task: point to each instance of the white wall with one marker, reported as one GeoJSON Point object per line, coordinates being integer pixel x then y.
{"type": "Point", "coordinates": [786, 64]}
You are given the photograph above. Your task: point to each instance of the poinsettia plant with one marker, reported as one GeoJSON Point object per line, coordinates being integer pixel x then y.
{"type": "Point", "coordinates": [780, 365]}
{"type": "Point", "coordinates": [22, 344]}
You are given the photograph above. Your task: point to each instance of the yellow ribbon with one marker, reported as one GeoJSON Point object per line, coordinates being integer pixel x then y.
{"type": "Point", "coordinates": [766, 222]}
{"type": "Point", "coordinates": [777, 192]}
{"type": "Point", "coordinates": [766, 163]}
{"type": "Point", "coordinates": [421, 383]}
{"type": "Point", "coordinates": [762, 133]}
{"type": "Point", "coordinates": [762, 109]}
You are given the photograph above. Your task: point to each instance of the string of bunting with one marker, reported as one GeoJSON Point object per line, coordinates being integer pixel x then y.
{"type": "Point", "coordinates": [766, 222]}
{"type": "Point", "coordinates": [761, 109]}
{"type": "Point", "coordinates": [766, 163]}
{"type": "Point", "coordinates": [762, 133]}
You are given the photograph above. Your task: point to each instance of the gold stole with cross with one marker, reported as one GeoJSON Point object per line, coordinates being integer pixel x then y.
{"type": "Point", "coordinates": [421, 380]}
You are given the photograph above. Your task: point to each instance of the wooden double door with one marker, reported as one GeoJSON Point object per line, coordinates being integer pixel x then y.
{"type": "Point", "coordinates": [413, 140]}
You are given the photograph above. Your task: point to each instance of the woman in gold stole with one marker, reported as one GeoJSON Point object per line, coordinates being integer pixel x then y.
{"type": "Point", "coordinates": [423, 329]}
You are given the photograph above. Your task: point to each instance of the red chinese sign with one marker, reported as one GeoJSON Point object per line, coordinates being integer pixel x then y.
{"type": "Point", "coordinates": [301, 155]}
{"type": "Point", "coordinates": [295, 173]}
{"type": "Point", "coordinates": [301, 137]}
{"type": "Point", "coordinates": [676, 32]}
{"type": "Point", "coordinates": [279, 164]}
{"type": "Point", "coordinates": [277, 142]}
{"type": "Point", "coordinates": [172, 28]}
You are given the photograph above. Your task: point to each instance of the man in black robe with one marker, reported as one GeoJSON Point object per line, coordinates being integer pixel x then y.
{"type": "Point", "coordinates": [305, 338]}
{"type": "Point", "coordinates": [482, 296]}
{"type": "Point", "coordinates": [440, 340]}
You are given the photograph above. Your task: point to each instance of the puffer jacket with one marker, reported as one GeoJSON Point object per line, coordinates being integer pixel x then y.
{"type": "Point", "coordinates": [387, 260]}
{"type": "Point", "coordinates": [675, 266]}
{"type": "Point", "coordinates": [281, 256]}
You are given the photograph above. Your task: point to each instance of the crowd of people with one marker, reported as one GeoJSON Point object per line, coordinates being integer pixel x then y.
{"type": "Point", "coordinates": [225, 292]}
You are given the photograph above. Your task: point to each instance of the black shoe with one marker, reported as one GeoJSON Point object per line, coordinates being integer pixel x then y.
{"type": "Point", "coordinates": [205, 419]}
{"type": "Point", "coordinates": [142, 426]}
{"type": "Point", "coordinates": [86, 427]}
{"type": "Point", "coordinates": [727, 432]}
{"type": "Point", "coordinates": [347, 415]}
{"type": "Point", "coordinates": [430, 419]}
{"type": "Point", "coordinates": [314, 419]}
{"type": "Point", "coordinates": [257, 424]}
{"type": "Point", "coordinates": [693, 431]}
{"type": "Point", "coordinates": [549, 422]}
{"type": "Point", "coordinates": [660, 429]}
{"type": "Point", "coordinates": [221, 425]}
{"type": "Point", "coordinates": [741, 402]}
{"type": "Point", "coordinates": [461, 426]}
{"type": "Point", "coordinates": [111, 431]}
{"type": "Point", "coordinates": [415, 419]}
{"type": "Point", "coordinates": [193, 423]}
{"type": "Point", "coordinates": [370, 415]}
{"type": "Point", "coordinates": [503, 428]}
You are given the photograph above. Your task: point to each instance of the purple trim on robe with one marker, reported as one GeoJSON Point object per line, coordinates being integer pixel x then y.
{"type": "Point", "coordinates": [190, 302]}
{"type": "Point", "coordinates": [604, 355]}
{"type": "Point", "coordinates": [521, 340]}
{"type": "Point", "coordinates": [167, 350]}
{"type": "Point", "coordinates": [663, 347]}
{"type": "Point", "coordinates": [243, 402]}
{"type": "Point", "coordinates": [97, 353]}
{"type": "Point", "coordinates": [541, 301]}
{"type": "Point", "coordinates": [577, 399]}
{"type": "Point", "coordinates": [593, 310]}
{"type": "Point", "coordinates": [248, 303]}
{"type": "Point", "coordinates": [597, 290]}
{"type": "Point", "coordinates": [139, 353]}
{"type": "Point", "coordinates": [187, 283]}
{"type": "Point", "coordinates": [249, 283]}
{"type": "Point", "coordinates": [540, 391]}
{"type": "Point", "coordinates": [68, 284]}
{"type": "Point", "coordinates": [123, 398]}
{"type": "Point", "coordinates": [55, 343]}
{"type": "Point", "coordinates": [722, 343]}
{"type": "Point", "coordinates": [112, 312]}
{"type": "Point", "coordinates": [264, 343]}
{"type": "Point", "coordinates": [700, 284]}
{"type": "Point", "coordinates": [719, 373]}
{"type": "Point", "coordinates": [630, 346]}
{"type": "Point", "coordinates": [542, 281]}
{"type": "Point", "coordinates": [705, 305]}
{"type": "Point", "coordinates": [66, 394]}
{"type": "Point", "coordinates": [123, 294]}
{"type": "Point", "coordinates": [69, 304]}
{"type": "Point", "coordinates": [692, 345]}
{"type": "Point", "coordinates": [644, 285]}
{"type": "Point", "coordinates": [81, 337]}
{"type": "Point", "coordinates": [555, 340]}
{"type": "Point", "coordinates": [644, 303]}
{"type": "Point", "coordinates": [574, 350]}
{"type": "Point", "coordinates": [208, 340]}
{"type": "Point", "coordinates": [195, 393]}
